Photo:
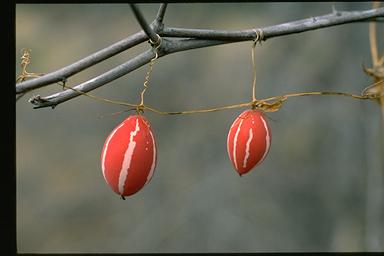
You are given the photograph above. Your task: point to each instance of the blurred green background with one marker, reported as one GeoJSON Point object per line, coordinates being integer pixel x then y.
{"type": "Point", "coordinates": [319, 189]}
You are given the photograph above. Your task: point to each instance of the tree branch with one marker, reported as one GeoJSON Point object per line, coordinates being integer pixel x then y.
{"type": "Point", "coordinates": [64, 73]}
{"type": "Point", "coordinates": [70, 70]}
{"type": "Point", "coordinates": [197, 38]}
{"type": "Point", "coordinates": [333, 19]}
{"type": "Point", "coordinates": [158, 23]}
{"type": "Point", "coordinates": [143, 23]}
{"type": "Point", "coordinates": [94, 83]}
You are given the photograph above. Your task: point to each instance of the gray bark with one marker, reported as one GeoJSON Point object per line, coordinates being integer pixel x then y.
{"type": "Point", "coordinates": [174, 40]}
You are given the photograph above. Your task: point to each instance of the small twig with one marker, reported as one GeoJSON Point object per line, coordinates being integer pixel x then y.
{"type": "Point", "coordinates": [144, 25]}
{"type": "Point", "coordinates": [160, 16]}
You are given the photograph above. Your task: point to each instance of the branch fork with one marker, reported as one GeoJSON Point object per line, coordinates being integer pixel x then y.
{"type": "Point", "coordinates": [177, 39]}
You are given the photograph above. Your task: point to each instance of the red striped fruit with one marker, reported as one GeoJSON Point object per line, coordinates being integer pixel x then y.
{"type": "Point", "coordinates": [128, 158]}
{"type": "Point", "coordinates": [248, 140]}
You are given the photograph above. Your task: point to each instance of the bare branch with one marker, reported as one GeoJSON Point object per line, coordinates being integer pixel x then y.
{"type": "Point", "coordinates": [169, 46]}
{"type": "Point", "coordinates": [160, 16]}
{"type": "Point", "coordinates": [198, 38]}
{"type": "Point", "coordinates": [177, 45]}
{"type": "Point", "coordinates": [94, 83]}
{"type": "Point", "coordinates": [333, 19]}
{"type": "Point", "coordinates": [70, 70]}
{"type": "Point", "coordinates": [143, 23]}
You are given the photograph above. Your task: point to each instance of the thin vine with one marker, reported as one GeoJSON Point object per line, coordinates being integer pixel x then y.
{"type": "Point", "coordinates": [377, 70]}
{"type": "Point", "coordinates": [25, 61]}
{"type": "Point", "coordinates": [271, 104]}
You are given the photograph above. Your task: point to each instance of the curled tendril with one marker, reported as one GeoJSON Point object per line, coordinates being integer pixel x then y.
{"type": "Point", "coordinates": [156, 45]}
{"type": "Point", "coordinates": [25, 61]}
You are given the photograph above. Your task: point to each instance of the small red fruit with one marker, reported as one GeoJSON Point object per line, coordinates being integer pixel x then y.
{"type": "Point", "coordinates": [128, 158]}
{"type": "Point", "coordinates": [248, 140]}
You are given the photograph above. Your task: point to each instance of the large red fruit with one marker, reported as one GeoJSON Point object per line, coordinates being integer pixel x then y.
{"type": "Point", "coordinates": [128, 158]}
{"type": "Point", "coordinates": [248, 141]}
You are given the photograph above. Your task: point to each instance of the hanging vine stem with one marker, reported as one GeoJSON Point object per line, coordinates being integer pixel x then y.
{"type": "Point", "coordinates": [374, 202]}
{"type": "Point", "coordinates": [156, 45]}
{"type": "Point", "coordinates": [377, 69]}
{"type": "Point", "coordinates": [258, 39]}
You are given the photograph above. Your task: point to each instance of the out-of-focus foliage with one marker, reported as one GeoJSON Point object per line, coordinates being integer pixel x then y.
{"type": "Point", "coordinates": [308, 195]}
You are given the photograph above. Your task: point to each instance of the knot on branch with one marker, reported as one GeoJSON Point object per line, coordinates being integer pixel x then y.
{"type": "Point", "coordinates": [259, 36]}
{"type": "Point", "coordinates": [156, 44]}
{"type": "Point", "coordinates": [41, 102]}
{"type": "Point", "coordinates": [374, 91]}
{"type": "Point", "coordinates": [140, 108]}
{"type": "Point", "coordinates": [37, 100]}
